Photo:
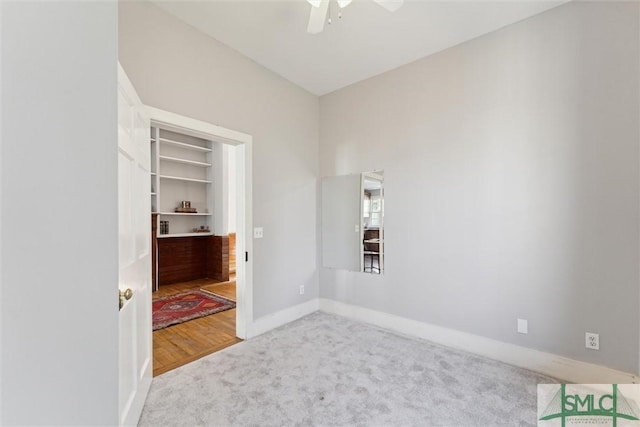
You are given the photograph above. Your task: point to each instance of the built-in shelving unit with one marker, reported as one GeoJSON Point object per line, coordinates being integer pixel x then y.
{"type": "Point", "coordinates": [181, 170]}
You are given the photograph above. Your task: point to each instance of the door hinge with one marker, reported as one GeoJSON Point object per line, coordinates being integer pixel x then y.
{"type": "Point", "coordinates": [246, 257]}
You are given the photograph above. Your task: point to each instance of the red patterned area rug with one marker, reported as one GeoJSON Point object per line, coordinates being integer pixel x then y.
{"type": "Point", "coordinates": [179, 308]}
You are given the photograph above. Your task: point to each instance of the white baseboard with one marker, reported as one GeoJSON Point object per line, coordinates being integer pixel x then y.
{"type": "Point", "coordinates": [559, 367]}
{"type": "Point", "coordinates": [282, 317]}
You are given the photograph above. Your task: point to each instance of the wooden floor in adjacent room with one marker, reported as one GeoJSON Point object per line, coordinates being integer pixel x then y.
{"type": "Point", "coordinates": [180, 344]}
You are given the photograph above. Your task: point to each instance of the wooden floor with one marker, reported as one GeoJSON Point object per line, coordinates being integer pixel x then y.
{"type": "Point", "coordinates": [180, 344]}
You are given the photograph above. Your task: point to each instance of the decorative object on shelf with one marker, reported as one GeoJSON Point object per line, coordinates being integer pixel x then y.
{"type": "Point", "coordinates": [202, 229]}
{"type": "Point", "coordinates": [164, 227]}
{"type": "Point", "coordinates": [185, 207]}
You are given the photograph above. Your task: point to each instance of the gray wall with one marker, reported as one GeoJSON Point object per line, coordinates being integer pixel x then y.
{"type": "Point", "coordinates": [511, 176]}
{"type": "Point", "coordinates": [59, 247]}
{"type": "Point", "coordinates": [177, 68]}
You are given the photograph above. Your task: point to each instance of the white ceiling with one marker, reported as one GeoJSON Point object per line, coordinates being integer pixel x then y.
{"type": "Point", "coordinates": [367, 41]}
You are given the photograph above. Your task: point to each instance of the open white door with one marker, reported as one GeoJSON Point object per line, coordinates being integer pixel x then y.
{"type": "Point", "coordinates": [134, 228]}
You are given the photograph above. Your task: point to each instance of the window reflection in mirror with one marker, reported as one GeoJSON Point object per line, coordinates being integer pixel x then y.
{"type": "Point", "coordinates": [372, 219]}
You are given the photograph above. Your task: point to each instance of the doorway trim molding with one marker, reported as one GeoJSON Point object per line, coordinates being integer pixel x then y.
{"type": "Point", "coordinates": [244, 196]}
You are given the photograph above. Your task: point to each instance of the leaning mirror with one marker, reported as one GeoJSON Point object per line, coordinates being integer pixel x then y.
{"type": "Point", "coordinates": [372, 218]}
{"type": "Point", "coordinates": [353, 222]}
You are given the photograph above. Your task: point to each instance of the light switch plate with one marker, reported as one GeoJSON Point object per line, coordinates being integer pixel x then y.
{"type": "Point", "coordinates": [523, 326]}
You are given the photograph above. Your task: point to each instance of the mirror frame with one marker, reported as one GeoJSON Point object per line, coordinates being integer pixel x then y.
{"type": "Point", "coordinates": [377, 175]}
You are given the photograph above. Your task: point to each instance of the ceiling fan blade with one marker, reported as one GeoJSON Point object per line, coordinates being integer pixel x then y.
{"type": "Point", "coordinates": [390, 5]}
{"type": "Point", "coordinates": [317, 17]}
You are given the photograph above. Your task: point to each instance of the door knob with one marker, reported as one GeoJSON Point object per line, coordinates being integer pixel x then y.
{"type": "Point", "coordinates": [125, 296]}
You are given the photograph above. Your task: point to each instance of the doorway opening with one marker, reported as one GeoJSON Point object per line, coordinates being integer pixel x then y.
{"type": "Point", "coordinates": [201, 193]}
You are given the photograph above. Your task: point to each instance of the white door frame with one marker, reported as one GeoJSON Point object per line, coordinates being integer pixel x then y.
{"type": "Point", "coordinates": [244, 214]}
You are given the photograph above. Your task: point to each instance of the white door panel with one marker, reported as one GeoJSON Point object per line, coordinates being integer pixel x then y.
{"type": "Point", "coordinates": [125, 226]}
{"type": "Point", "coordinates": [134, 212]}
{"type": "Point", "coordinates": [142, 202]}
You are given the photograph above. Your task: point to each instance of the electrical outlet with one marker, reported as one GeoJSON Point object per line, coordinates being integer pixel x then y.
{"type": "Point", "coordinates": [523, 326]}
{"type": "Point", "coordinates": [258, 233]}
{"type": "Point", "coordinates": [301, 289]}
{"type": "Point", "coordinates": [592, 341]}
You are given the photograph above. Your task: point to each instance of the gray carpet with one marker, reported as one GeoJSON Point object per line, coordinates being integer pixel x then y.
{"type": "Point", "coordinates": [328, 370]}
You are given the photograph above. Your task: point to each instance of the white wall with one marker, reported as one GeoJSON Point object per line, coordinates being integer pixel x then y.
{"type": "Point", "coordinates": [224, 187]}
{"type": "Point", "coordinates": [511, 182]}
{"type": "Point", "coordinates": [232, 189]}
{"type": "Point", "coordinates": [58, 206]}
{"type": "Point", "coordinates": [177, 68]}
{"type": "Point", "coordinates": [221, 188]}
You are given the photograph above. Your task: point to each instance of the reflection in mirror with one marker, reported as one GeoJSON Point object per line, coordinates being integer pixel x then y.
{"type": "Point", "coordinates": [372, 218]}
{"type": "Point", "coordinates": [352, 222]}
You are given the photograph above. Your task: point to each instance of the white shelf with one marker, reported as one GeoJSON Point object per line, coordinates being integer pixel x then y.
{"type": "Point", "coordinates": [185, 161]}
{"type": "Point", "coordinates": [153, 174]}
{"type": "Point", "coordinates": [165, 236]}
{"type": "Point", "coordinates": [178, 178]}
{"type": "Point", "coordinates": [154, 194]}
{"type": "Point", "coordinates": [184, 213]}
{"type": "Point", "coordinates": [185, 146]}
